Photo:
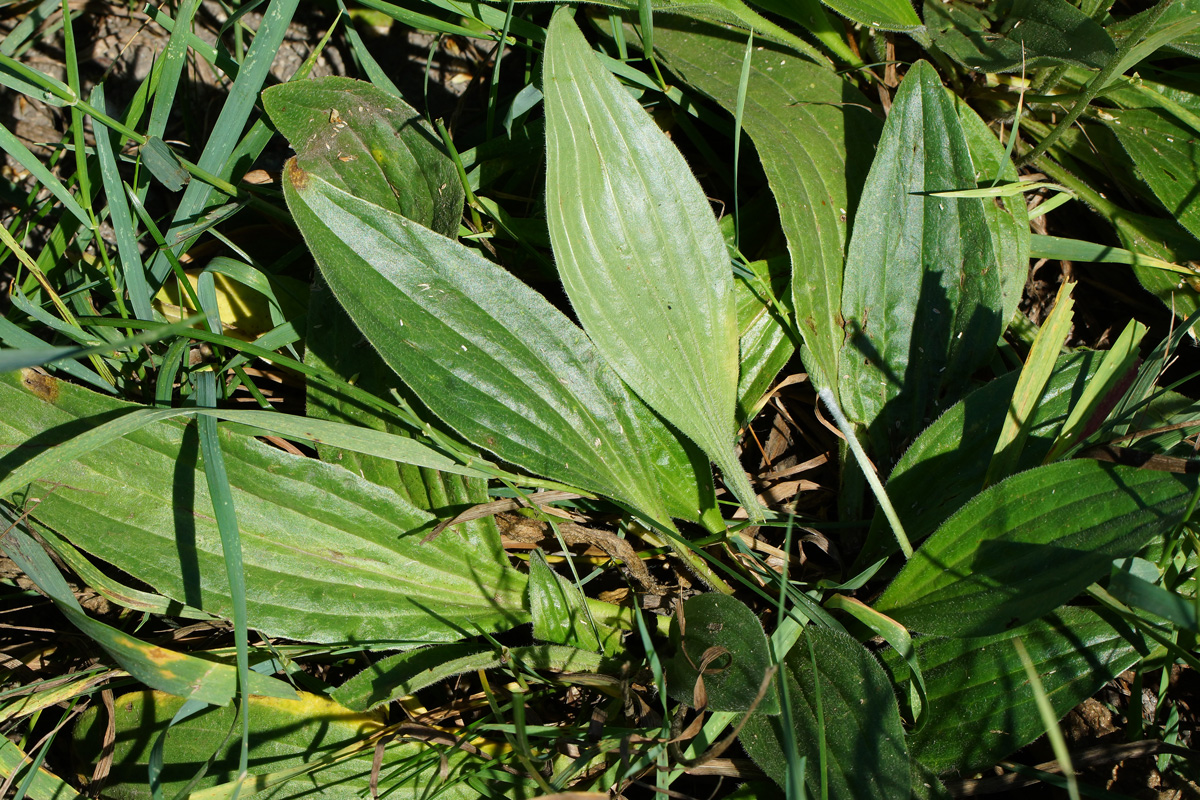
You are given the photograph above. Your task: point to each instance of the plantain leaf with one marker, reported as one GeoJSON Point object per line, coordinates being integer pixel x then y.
{"type": "Point", "coordinates": [371, 143]}
{"type": "Point", "coordinates": [488, 355]}
{"type": "Point", "coordinates": [1009, 35]}
{"type": "Point", "coordinates": [921, 298]}
{"type": "Point", "coordinates": [286, 736]}
{"type": "Point", "coordinates": [765, 345]}
{"type": "Point", "coordinates": [1165, 154]}
{"type": "Point", "coordinates": [558, 607]}
{"type": "Point", "coordinates": [886, 15]}
{"type": "Point", "coordinates": [328, 556]}
{"type": "Point", "coordinates": [639, 251]}
{"type": "Point", "coordinates": [980, 706]}
{"type": "Point", "coordinates": [725, 629]}
{"type": "Point", "coordinates": [1029, 544]}
{"type": "Point", "coordinates": [839, 696]}
{"type": "Point", "coordinates": [814, 137]}
{"type": "Point", "coordinates": [946, 465]}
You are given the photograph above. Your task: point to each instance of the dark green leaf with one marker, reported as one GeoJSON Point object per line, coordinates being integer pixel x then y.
{"type": "Point", "coordinates": [728, 632]}
{"type": "Point", "coordinates": [1029, 544]}
{"type": "Point", "coordinates": [922, 298]}
{"type": "Point", "coordinates": [1166, 155]}
{"type": "Point", "coordinates": [814, 136]}
{"type": "Point", "coordinates": [945, 466]}
{"type": "Point", "coordinates": [859, 720]}
{"type": "Point", "coordinates": [1014, 34]}
{"type": "Point", "coordinates": [489, 356]}
{"type": "Point", "coordinates": [980, 704]}
{"type": "Point", "coordinates": [328, 556]}
{"type": "Point", "coordinates": [639, 251]}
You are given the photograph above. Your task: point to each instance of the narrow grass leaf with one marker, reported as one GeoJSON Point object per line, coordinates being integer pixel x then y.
{"type": "Point", "coordinates": [1029, 544]}
{"type": "Point", "coordinates": [1049, 718]}
{"type": "Point", "coordinates": [1116, 369]}
{"type": "Point", "coordinates": [482, 351]}
{"type": "Point", "coordinates": [42, 784]}
{"type": "Point", "coordinates": [814, 136]}
{"type": "Point", "coordinates": [639, 251]}
{"type": "Point", "coordinates": [128, 253]}
{"type": "Point", "coordinates": [921, 296]}
{"type": "Point", "coordinates": [1035, 375]}
{"type": "Point", "coordinates": [1059, 248]}
{"type": "Point", "coordinates": [162, 163]}
{"type": "Point", "coordinates": [228, 127]}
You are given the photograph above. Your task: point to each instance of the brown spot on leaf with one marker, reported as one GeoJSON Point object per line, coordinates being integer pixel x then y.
{"type": "Point", "coordinates": [296, 175]}
{"type": "Point", "coordinates": [45, 387]}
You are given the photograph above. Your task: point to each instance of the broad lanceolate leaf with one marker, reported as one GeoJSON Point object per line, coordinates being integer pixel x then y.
{"type": "Point", "coordinates": [487, 354]}
{"type": "Point", "coordinates": [814, 140]}
{"type": "Point", "coordinates": [285, 737]}
{"type": "Point", "coordinates": [980, 704]}
{"type": "Point", "coordinates": [1011, 34]}
{"type": "Point", "coordinates": [725, 630]}
{"type": "Point", "coordinates": [1165, 154]}
{"type": "Point", "coordinates": [946, 465]}
{"type": "Point", "coordinates": [922, 297]}
{"type": "Point", "coordinates": [328, 556]}
{"type": "Point", "coordinates": [639, 250]}
{"type": "Point", "coordinates": [1029, 544]}
{"type": "Point", "coordinates": [187, 676]}
{"type": "Point", "coordinates": [371, 143]}
{"type": "Point", "coordinates": [886, 15]}
{"type": "Point", "coordinates": [558, 607]}
{"type": "Point", "coordinates": [765, 344]}
{"type": "Point", "coordinates": [858, 719]}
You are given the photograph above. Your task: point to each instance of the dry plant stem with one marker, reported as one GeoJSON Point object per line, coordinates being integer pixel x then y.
{"type": "Point", "coordinates": [1096, 84]}
{"type": "Point", "coordinates": [868, 471]}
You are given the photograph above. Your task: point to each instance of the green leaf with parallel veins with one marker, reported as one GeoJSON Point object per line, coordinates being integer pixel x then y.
{"type": "Point", "coordinates": [980, 704]}
{"type": "Point", "coordinates": [1166, 155]}
{"type": "Point", "coordinates": [328, 556]}
{"type": "Point", "coordinates": [485, 353]}
{"type": "Point", "coordinates": [370, 143]}
{"type": "Point", "coordinates": [886, 15]}
{"type": "Point", "coordinates": [1011, 34]}
{"type": "Point", "coordinates": [945, 466]}
{"type": "Point", "coordinates": [727, 631]}
{"type": "Point", "coordinates": [285, 737]}
{"type": "Point", "coordinates": [558, 607]}
{"type": "Point", "coordinates": [765, 344]}
{"type": "Point", "coordinates": [921, 298]}
{"type": "Point", "coordinates": [1030, 543]}
{"type": "Point", "coordinates": [859, 721]}
{"type": "Point", "coordinates": [639, 251]}
{"type": "Point", "coordinates": [814, 137]}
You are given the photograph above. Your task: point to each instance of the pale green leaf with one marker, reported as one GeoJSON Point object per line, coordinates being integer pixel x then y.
{"type": "Point", "coordinates": [328, 557]}
{"type": "Point", "coordinates": [639, 251]}
{"type": "Point", "coordinates": [886, 15]}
